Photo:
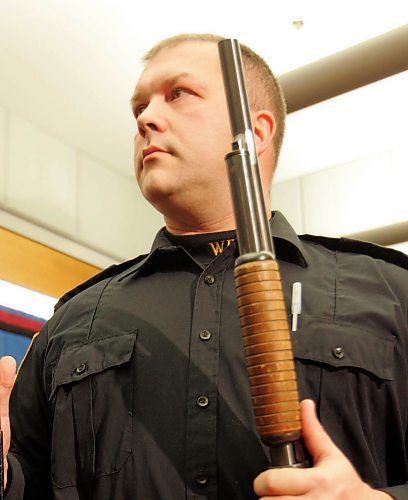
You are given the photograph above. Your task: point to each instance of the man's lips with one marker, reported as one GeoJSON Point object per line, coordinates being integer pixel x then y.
{"type": "Point", "coordinates": [152, 149]}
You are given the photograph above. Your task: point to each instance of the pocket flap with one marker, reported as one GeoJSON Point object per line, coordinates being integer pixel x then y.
{"type": "Point", "coordinates": [344, 345]}
{"type": "Point", "coordinates": [92, 357]}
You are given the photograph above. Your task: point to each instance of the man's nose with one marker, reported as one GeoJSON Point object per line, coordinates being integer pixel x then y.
{"type": "Point", "coordinates": [151, 119]}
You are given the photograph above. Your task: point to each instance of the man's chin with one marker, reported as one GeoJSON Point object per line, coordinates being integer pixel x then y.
{"type": "Point", "coordinates": [157, 193]}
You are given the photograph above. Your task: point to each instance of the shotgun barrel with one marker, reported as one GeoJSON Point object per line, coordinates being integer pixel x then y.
{"type": "Point", "coordinates": [264, 325]}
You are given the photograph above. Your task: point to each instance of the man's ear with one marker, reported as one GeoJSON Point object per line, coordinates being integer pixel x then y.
{"type": "Point", "coordinates": [264, 126]}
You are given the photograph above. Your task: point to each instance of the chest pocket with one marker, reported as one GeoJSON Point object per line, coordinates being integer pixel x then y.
{"type": "Point", "coordinates": [342, 367]}
{"type": "Point", "coordinates": [93, 395]}
{"type": "Point", "coordinates": [338, 345]}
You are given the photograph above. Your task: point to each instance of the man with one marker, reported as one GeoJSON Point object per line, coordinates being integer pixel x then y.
{"type": "Point", "coordinates": [137, 388]}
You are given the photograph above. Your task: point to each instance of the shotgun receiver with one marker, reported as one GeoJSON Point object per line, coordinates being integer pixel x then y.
{"type": "Point", "coordinates": [262, 311]}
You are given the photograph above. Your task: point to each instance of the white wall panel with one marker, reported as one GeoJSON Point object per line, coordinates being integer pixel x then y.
{"type": "Point", "coordinates": [350, 198]}
{"type": "Point", "coordinates": [287, 197]}
{"type": "Point", "coordinates": [319, 207]}
{"type": "Point", "coordinates": [2, 154]}
{"type": "Point", "coordinates": [399, 170]}
{"type": "Point", "coordinates": [112, 212]}
{"type": "Point", "coordinates": [41, 177]}
{"type": "Point", "coordinates": [364, 194]}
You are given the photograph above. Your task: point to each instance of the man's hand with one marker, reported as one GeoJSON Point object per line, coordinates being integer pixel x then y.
{"type": "Point", "coordinates": [332, 476]}
{"type": "Point", "coordinates": [7, 376]}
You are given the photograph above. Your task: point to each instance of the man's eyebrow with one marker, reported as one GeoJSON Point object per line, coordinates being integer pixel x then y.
{"type": "Point", "coordinates": [135, 97]}
{"type": "Point", "coordinates": [167, 82]}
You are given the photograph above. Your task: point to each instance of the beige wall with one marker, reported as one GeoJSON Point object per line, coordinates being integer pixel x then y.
{"type": "Point", "coordinates": [55, 194]}
{"type": "Point", "coordinates": [57, 187]}
{"type": "Point", "coordinates": [353, 197]}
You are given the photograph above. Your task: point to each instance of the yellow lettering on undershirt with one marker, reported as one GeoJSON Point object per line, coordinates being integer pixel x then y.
{"type": "Point", "coordinates": [218, 246]}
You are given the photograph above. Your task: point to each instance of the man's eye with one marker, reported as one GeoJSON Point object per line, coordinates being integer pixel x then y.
{"type": "Point", "coordinates": [179, 92]}
{"type": "Point", "coordinates": [139, 110]}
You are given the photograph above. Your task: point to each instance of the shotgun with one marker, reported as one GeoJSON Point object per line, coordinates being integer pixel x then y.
{"type": "Point", "coordinates": [264, 325]}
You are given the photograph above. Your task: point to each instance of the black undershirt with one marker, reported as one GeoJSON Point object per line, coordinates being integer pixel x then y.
{"type": "Point", "coordinates": [203, 247]}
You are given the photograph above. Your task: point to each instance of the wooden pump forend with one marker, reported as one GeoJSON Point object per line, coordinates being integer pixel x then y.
{"type": "Point", "coordinates": [262, 311]}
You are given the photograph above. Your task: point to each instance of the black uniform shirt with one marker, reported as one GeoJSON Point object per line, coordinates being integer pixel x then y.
{"type": "Point", "coordinates": [137, 388]}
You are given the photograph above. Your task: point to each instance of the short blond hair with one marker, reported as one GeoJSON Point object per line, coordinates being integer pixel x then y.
{"type": "Point", "coordinates": [264, 90]}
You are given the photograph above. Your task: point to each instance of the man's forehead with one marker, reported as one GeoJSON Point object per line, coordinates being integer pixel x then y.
{"type": "Point", "coordinates": [185, 48]}
{"type": "Point", "coordinates": [185, 55]}
{"type": "Point", "coordinates": [146, 83]}
{"type": "Point", "coordinates": [184, 60]}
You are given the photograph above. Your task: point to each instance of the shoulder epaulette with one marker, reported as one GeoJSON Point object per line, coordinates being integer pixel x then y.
{"type": "Point", "coordinates": [109, 272]}
{"type": "Point", "coordinates": [364, 247]}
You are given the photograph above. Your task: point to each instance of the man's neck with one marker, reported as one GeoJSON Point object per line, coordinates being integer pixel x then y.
{"type": "Point", "coordinates": [199, 226]}
{"type": "Point", "coordinates": [214, 218]}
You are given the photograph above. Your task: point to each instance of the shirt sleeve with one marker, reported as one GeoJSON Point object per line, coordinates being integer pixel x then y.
{"type": "Point", "coordinates": [398, 492]}
{"type": "Point", "coordinates": [15, 483]}
{"type": "Point", "coordinates": [31, 427]}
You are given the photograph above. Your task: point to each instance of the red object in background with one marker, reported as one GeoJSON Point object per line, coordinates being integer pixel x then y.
{"type": "Point", "coordinates": [18, 322]}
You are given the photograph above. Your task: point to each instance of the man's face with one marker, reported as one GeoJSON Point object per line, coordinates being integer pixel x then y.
{"type": "Point", "coordinates": [183, 127]}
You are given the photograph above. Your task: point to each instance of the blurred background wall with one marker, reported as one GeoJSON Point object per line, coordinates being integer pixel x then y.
{"type": "Point", "coordinates": [66, 130]}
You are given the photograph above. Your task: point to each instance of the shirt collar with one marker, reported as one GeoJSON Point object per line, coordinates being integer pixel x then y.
{"type": "Point", "coordinates": [287, 244]}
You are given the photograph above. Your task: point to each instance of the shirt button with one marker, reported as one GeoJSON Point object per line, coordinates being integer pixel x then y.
{"type": "Point", "coordinates": [338, 352]}
{"type": "Point", "coordinates": [202, 401]}
{"type": "Point", "coordinates": [201, 478]}
{"type": "Point", "coordinates": [209, 279]}
{"type": "Point", "coordinates": [205, 335]}
{"type": "Point", "coordinates": [80, 368]}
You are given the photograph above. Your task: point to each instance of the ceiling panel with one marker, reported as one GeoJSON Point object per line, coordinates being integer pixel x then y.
{"type": "Point", "coordinates": [360, 123]}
